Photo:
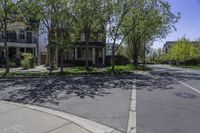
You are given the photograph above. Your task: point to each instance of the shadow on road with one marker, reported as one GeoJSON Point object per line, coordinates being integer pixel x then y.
{"type": "Point", "coordinates": [154, 82]}
{"type": "Point", "coordinates": [163, 78]}
{"type": "Point", "coordinates": [43, 90]}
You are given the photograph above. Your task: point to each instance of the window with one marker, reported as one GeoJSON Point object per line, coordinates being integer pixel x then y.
{"type": "Point", "coordinates": [22, 36]}
{"type": "Point", "coordinates": [83, 37]}
{"type": "Point", "coordinates": [11, 37]}
{"type": "Point", "coordinates": [69, 55]}
{"type": "Point", "coordinates": [81, 53]}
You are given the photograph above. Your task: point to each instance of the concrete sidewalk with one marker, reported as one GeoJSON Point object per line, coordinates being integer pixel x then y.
{"type": "Point", "coordinates": [20, 118]}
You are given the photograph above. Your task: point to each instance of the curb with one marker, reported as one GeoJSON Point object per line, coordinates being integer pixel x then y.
{"type": "Point", "coordinates": [85, 123]}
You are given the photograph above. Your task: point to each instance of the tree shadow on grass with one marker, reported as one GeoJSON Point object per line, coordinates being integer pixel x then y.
{"type": "Point", "coordinates": [52, 90]}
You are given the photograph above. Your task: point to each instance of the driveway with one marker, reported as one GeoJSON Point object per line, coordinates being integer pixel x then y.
{"type": "Point", "coordinates": [104, 99]}
{"type": "Point", "coordinates": [168, 100]}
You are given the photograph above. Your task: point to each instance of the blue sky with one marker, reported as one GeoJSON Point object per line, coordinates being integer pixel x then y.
{"type": "Point", "coordinates": [188, 25]}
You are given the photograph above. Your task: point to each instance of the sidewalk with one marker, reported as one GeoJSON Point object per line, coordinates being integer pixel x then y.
{"type": "Point", "coordinates": [19, 118]}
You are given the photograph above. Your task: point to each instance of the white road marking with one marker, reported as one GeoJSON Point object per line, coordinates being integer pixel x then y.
{"type": "Point", "coordinates": [132, 112]}
{"type": "Point", "coordinates": [192, 88]}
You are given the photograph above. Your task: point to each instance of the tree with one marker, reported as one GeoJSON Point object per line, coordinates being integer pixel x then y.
{"type": "Point", "coordinates": [117, 12]}
{"type": "Point", "coordinates": [66, 20]}
{"type": "Point", "coordinates": [9, 15]}
{"type": "Point", "coordinates": [152, 20]}
{"type": "Point", "coordinates": [90, 15]}
{"type": "Point", "coordinates": [58, 19]}
{"type": "Point", "coordinates": [182, 51]}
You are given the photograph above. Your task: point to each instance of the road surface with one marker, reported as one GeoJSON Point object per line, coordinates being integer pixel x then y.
{"type": "Point", "coordinates": [168, 100]}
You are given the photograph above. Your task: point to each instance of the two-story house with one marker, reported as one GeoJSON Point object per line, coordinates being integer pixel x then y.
{"type": "Point", "coordinates": [25, 40]}
{"type": "Point", "coordinates": [76, 55]}
{"type": "Point", "coordinates": [19, 41]}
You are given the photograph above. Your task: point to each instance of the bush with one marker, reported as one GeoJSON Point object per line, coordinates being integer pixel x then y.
{"type": "Point", "coordinates": [28, 61]}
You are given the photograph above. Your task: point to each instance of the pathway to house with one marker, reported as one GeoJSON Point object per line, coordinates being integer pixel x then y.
{"type": "Point", "coordinates": [37, 69]}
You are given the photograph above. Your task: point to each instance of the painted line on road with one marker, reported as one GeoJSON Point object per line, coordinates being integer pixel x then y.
{"type": "Point", "coordinates": [132, 112]}
{"type": "Point", "coordinates": [192, 88]}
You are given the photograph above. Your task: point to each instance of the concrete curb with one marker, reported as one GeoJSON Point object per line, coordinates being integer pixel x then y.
{"type": "Point", "coordinates": [85, 123]}
{"type": "Point", "coordinates": [132, 112]}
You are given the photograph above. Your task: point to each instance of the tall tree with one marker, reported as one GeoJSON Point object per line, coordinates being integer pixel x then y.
{"type": "Point", "coordinates": [152, 20]}
{"type": "Point", "coordinates": [90, 15]}
{"type": "Point", "coordinates": [118, 10]}
{"type": "Point", "coordinates": [66, 20]}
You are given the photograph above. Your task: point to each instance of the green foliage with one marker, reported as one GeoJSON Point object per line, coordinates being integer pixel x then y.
{"type": "Point", "coordinates": [28, 61]}
{"type": "Point", "coordinates": [182, 51]}
{"type": "Point", "coordinates": [148, 21]}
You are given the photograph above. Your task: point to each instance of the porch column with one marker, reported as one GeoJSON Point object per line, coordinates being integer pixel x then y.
{"type": "Point", "coordinates": [36, 52]}
{"type": "Point", "coordinates": [76, 50]}
{"type": "Point", "coordinates": [103, 56]}
{"type": "Point", "coordinates": [24, 50]}
{"type": "Point", "coordinates": [93, 56]}
{"type": "Point", "coordinates": [36, 55]}
{"type": "Point", "coordinates": [48, 56]}
{"type": "Point", "coordinates": [1, 51]}
{"type": "Point", "coordinates": [56, 59]}
{"type": "Point", "coordinates": [17, 52]}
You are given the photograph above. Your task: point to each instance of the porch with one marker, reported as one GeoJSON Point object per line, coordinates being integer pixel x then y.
{"type": "Point", "coordinates": [77, 56]}
{"type": "Point", "coordinates": [15, 50]}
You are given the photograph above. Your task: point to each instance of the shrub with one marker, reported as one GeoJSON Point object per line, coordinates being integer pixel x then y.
{"type": "Point", "coordinates": [28, 61]}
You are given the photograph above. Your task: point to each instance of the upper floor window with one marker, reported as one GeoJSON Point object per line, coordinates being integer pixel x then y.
{"type": "Point", "coordinates": [22, 35]}
{"type": "Point", "coordinates": [82, 37]}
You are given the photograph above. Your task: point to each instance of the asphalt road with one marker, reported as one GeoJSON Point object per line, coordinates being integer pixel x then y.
{"type": "Point", "coordinates": [168, 100]}
{"type": "Point", "coordinates": [104, 99]}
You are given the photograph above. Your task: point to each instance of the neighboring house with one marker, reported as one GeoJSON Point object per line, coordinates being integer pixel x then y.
{"type": "Point", "coordinates": [76, 55]}
{"type": "Point", "coordinates": [19, 41]}
{"type": "Point", "coordinates": [169, 44]}
{"type": "Point", "coordinates": [36, 42]}
{"type": "Point", "coordinates": [97, 50]}
{"type": "Point", "coordinates": [42, 44]}
{"type": "Point", "coordinates": [109, 49]}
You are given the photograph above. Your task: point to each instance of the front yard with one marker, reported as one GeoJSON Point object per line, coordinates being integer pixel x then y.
{"type": "Point", "coordinates": [70, 71]}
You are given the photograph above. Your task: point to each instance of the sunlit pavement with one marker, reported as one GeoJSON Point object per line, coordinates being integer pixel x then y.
{"type": "Point", "coordinates": [168, 100]}
{"type": "Point", "coordinates": [103, 99]}
{"type": "Point", "coordinates": [20, 118]}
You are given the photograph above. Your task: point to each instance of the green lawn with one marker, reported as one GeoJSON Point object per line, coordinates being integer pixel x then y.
{"type": "Point", "coordinates": [70, 71]}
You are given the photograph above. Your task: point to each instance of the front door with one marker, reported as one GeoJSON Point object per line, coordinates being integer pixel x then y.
{"type": "Point", "coordinates": [98, 56]}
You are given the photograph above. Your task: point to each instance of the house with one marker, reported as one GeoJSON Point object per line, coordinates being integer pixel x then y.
{"type": "Point", "coordinates": [169, 44]}
{"type": "Point", "coordinates": [76, 55]}
{"type": "Point", "coordinates": [19, 41]}
{"type": "Point", "coordinates": [25, 40]}
{"type": "Point", "coordinates": [36, 42]}
{"type": "Point", "coordinates": [109, 48]}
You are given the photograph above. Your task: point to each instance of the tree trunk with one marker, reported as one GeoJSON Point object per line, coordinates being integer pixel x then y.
{"type": "Point", "coordinates": [51, 50]}
{"type": "Point", "coordinates": [135, 57]}
{"type": "Point", "coordinates": [6, 45]}
{"type": "Point", "coordinates": [62, 61]}
{"type": "Point", "coordinates": [144, 57]}
{"type": "Point", "coordinates": [113, 57]}
{"type": "Point", "coordinates": [87, 36]}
